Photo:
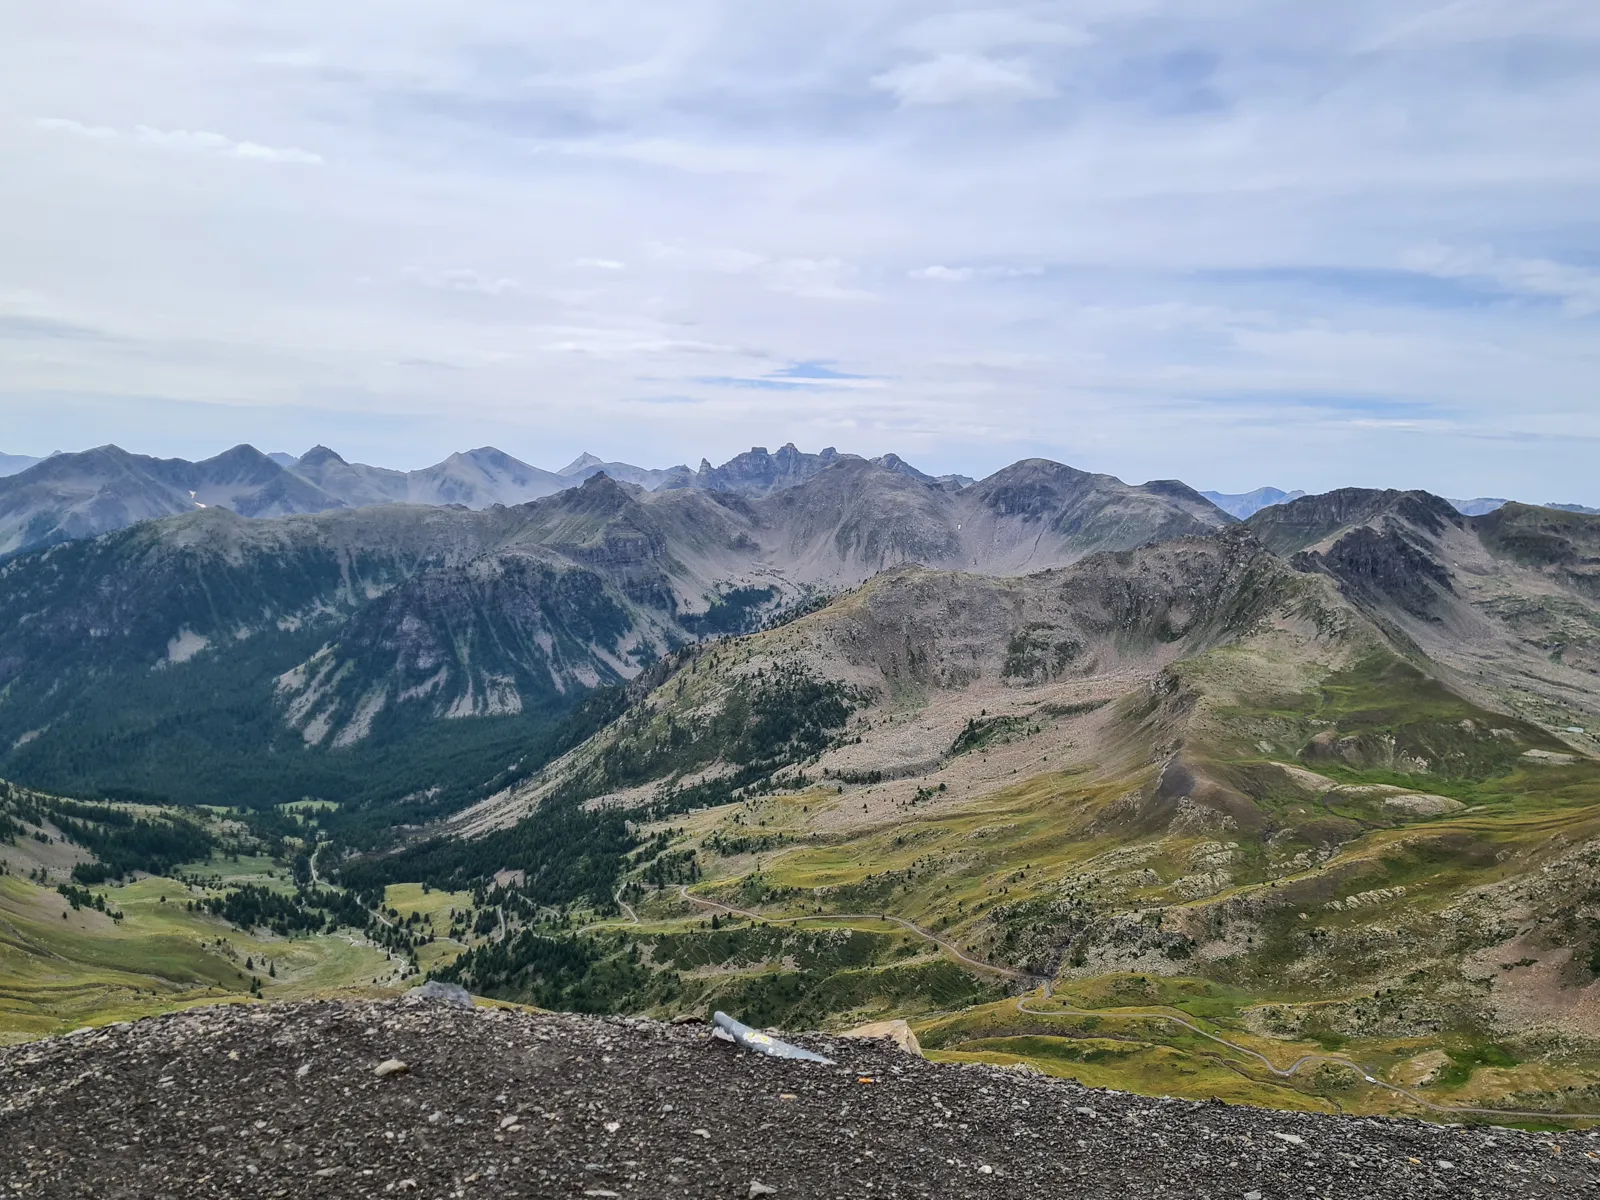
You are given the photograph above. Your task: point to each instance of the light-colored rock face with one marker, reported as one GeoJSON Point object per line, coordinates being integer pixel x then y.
{"type": "Point", "coordinates": [1549, 758]}
{"type": "Point", "coordinates": [895, 1031]}
{"type": "Point", "coordinates": [1421, 1070]}
{"type": "Point", "coordinates": [1421, 804]}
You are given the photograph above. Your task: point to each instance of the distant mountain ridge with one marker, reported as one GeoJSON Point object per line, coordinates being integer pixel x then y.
{"type": "Point", "coordinates": [1246, 504]}
{"type": "Point", "coordinates": [1479, 506]}
{"type": "Point", "coordinates": [10, 464]}
{"type": "Point", "coordinates": [68, 496]}
{"type": "Point", "coordinates": [1483, 505]}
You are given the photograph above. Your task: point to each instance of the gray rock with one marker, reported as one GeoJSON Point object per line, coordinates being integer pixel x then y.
{"type": "Point", "coordinates": [443, 993]}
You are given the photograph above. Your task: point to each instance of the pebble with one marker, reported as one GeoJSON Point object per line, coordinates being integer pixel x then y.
{"type": "Point", "coordinates": [390, 1066]}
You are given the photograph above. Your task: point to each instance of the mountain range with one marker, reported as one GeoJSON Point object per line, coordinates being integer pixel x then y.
{"type": "Point", "coordinates": [1325, 777]}
{"type": "Point", "coordinates": [67, 496]}
{"type": "Point", "coordinates": [324, 631]}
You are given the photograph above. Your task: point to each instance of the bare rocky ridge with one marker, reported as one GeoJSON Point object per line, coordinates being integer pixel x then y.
{"type": "Point", "coordinates": [289, 1100]}
{"type": "Point", "coordinates": [1508, 602]}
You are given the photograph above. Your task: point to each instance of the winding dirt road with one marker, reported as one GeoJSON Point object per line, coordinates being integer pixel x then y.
{"type": "Point", "coordinates": [909, 926]}
{"type": "Point", "coordinates": [1288, 1072]}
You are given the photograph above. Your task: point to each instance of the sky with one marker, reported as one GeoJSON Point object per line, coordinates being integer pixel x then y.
{"type": "Point", "coordinates": [1237, 242]}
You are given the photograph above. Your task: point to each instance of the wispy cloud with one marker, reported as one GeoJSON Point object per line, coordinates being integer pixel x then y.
{"type": "Point", "coordinates": [938, 273]}
{"type": "Point", "coordinates": [980, 29]}
{"type": "Point", "coordinates": [797, 377]}
{"type": "Point", "coordinates": [463, 279]}
{"type": "Point", "coordinates": [962, 78]}
{"type": "Point", "coordinates": [76, 128]}
{"type": "Point", "coordinates": [1576, 289]}
{"type": "Point", "coordinates": [187, 141]}
{"type": "Point", "coordinates": [199, 141]}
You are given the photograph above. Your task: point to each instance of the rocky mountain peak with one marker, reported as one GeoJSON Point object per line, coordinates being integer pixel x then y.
{"type": "Point", "coordinates": [581, 463]}
{"type": "Point", "coordinates": [319, 455]}
{"type": "Point", "coordinates": [1299, 524]}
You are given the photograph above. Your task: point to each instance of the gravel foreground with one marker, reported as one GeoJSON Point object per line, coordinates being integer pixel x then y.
{"type": "Point", "coordinates": [287, 1100]}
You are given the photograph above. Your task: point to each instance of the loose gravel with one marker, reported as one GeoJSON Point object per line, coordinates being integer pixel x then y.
{"type": "Point", "coordinates": [287, 1101]}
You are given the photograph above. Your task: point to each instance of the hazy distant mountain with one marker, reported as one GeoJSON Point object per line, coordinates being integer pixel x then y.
{"type": "Point", "coordinates": [1479, 506]}
{"type": "Point", "coordinates": [587, 464]}
{"type": "Point", "coordinates": [355, 484]}
{"type": "Point", "coordinates": [70, 496]}
{"type": "Point", "coordinates": [86, 494]}
{"type": "Point", "coordinates": [1489, 504]}
{"type": "Point", "coordinates": [1246, 504]}
{"type": "Point", "coordinates": [10, 464]}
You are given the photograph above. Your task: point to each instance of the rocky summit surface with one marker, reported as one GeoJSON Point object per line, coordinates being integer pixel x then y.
{"type": "Point", "coordinates": [431, 1099]}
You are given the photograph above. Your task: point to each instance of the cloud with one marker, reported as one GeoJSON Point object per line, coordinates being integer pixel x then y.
{"type": "Point", "coordinates": [977, 30]}
{"type": "Point", "coordinates": [938, 273]}
{"type": "Point", "coordinates": [183, 141]}
{"type": "Point", "coordinates": [943, 274]}
{"type": "Point", "coordinates": [1467, 21]}
{"type": "Point", "coordinates": [25, 327]}
{"type": "Point", "coordinates": [1577, 289]}
{"type": "Point", "coordinates": [202, 142]}
{"type": "Point", "coordinates": [814, 278]}
{"type": "Point", "coordinates": [962, 78]}
{"type": "Point", "coordinates": [797, 377]}
{"type": "Point", "coordinates": [463, 279]}
{"type": "Point", "coordinates": [76, 128]}
{"type": "Point", "coordinates": [601, 264]}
